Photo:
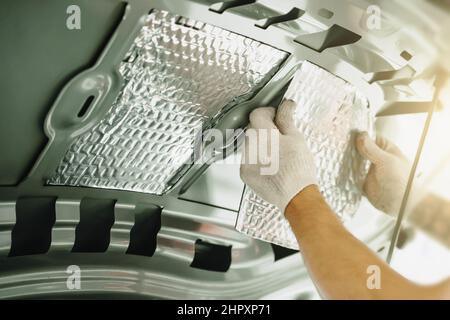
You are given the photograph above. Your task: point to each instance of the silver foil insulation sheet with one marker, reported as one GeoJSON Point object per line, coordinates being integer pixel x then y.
{"type": "Point", "coordinates": [329, 113]}
{"type": "Point", "coordinates": [179, 76]}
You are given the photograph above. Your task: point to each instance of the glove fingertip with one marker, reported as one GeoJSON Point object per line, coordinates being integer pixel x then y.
{"type": "Point", "coordinates": [369, 150]}
{"type": "Point", "coordinates": [285, 118]}
{"type": "Point", "coordinates": [262, 118]}
{"type": "Point", "coordinates": [361, 144]}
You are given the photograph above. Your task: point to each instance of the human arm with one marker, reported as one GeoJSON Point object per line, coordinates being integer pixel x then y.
{"type": "Point", "coordinates": [340, 265]}
{"type": "Point", "coordinates": [336, 260]}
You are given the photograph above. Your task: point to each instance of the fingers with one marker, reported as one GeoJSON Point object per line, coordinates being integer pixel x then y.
{"type": "Point", "coordinates": [249, 154]}
{"type": "Point", "coordinates": [285, 119]}
{"type": "Point", "coordinates": [262, 118]}
{"type": "Point", "coordinates": [369, 150]}
{"type": "Point", "coordinates": [389, 147]}
{"type": "Point", "coordinates": [245, 152]}
{"type": "Point", "coordinates": [259, 134]}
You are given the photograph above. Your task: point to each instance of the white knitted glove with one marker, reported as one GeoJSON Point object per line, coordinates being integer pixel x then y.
{"type": "Point", "coordinates": [292, 158]}
{"type": "Point", "coordinates": [388, 174]}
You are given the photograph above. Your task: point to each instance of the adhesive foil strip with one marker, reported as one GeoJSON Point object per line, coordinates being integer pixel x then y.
{"type": "Point", "coordinates": [329, 113]}
{"type": "Point", "coordinates": [179, 76]}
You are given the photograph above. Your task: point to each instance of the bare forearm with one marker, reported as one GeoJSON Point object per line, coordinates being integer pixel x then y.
{"type": "Point", "coordinates": [336, 260]}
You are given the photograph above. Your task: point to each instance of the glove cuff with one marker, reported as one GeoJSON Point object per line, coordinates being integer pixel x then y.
{"type": "Point", "coordinates": [304, 172]}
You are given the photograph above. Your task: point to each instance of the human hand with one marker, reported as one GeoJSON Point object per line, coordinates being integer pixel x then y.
{"type": "Point", "coordinates": [388, 175]}
{"type": "Point", "coordinates": [276, 132]}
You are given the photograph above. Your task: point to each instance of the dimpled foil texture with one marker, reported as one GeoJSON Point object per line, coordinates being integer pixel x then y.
{"type": "Point", "coordinates": [179, 76]}
{"type": "Point", "coordinates": [329, 113]}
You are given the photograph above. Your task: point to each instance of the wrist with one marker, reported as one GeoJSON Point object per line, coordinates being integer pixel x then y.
{"type": "Point", "coordinates": [308, 209]}
{"type": "Point", "coordinates": [294, 177]}
{"type": "Point", "coordinates": [304, 201]}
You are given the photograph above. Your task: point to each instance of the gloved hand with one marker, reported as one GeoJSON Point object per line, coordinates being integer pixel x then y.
{"type": "Point", "coordinates": [386, 181]}
{"type": "Point", "coordinates": [295, 163]}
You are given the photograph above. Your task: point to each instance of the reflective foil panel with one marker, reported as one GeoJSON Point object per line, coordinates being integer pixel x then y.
{"type": "Point", "coordinates": [179, 76]}
{"type": "Point", "coordinates": [329, 113]}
